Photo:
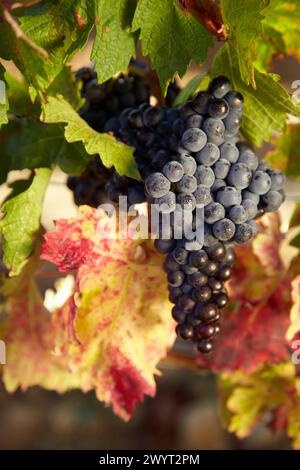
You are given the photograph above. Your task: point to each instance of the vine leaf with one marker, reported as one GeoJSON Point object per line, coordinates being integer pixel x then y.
{"type": "Point", "coordinates": [243, 27]}
{"type": "Point", "coordinates": [21, 222]}
{"type": "Point", "coordinates": [285, 155]}
{"type": "Point", "coordinates": [114, 44]}
{"type": "Point", "coordinates": [111, 152]}
{"type": "Point", "coordinates": [117, 323]}
{"type": "Point", "coordinates": [53, 27]}
{"type": "Point", "coordinates": [259, 283]}
{"type": "Point", "coordinates": [266, 108]}
{"type": "Point", "coordinates": [38, 145]}
{"type": "Point", "coordinates": [270, 393]}
{"type": "Point", "coordinates": [171, 38]}
{"type": "Point", "coordinates": [280, 16]}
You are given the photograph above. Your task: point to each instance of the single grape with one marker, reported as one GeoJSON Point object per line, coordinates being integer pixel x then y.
{"type": "Point", "coordinates": [243, 233]}
{"type": "Point", "coordinates": [198, 259]}
{"type": "Point", "coordinates": [229, 151]}
{"type": "Point", "coordinates": [218, 108]}
{"type": "Point", "coordinates": [246, 194]}
{"type": "Point", "coordinates": [224, 229]}
{"type": "Point", "coordinates": [178, 315]}
{"type": "Point", "coordinates": [217, 252]}
{"type": "Point", "coordinates": [221, 168]}
{"type": "Point", "coordinates": [238, 214]}
{"type": "Point", "coordinates": [214, 212]}
{"type": "Point", "coordinates": [202, 294]}
{"type": "Point", "coordinates": [248, 157]}
{"type": "Point", "coordinates": [198, 279]}
{"type": "Point", "coordinates": [205, 346]}
{"type": "Point", "coordinates": [175, 278]}
{"type": "Point", "coordinates": [229, 196]}
{"type": "Point", "coordinates": [220, 86]}
{"type": "Point", "coordinates": [200, 102]}
{"type": "Point", "coordinates": [185, 331]}
{"type": "Point", "coordinates": [260, 183]}
{"type": "Point", "coordinates": [232, 122]}
{"type": "Point", "coordinates": [235, 100]}
{"type": "Point", "coordinates": [157, 185]}
{"type": "Point", "coordinates": [239, 176]}
{"type": "Point", "coordinates": [135, 119]}
{"type": "Point", "coordinates": [170, 264]}
{"type": "Point", "coordinates": [173, 170]}
{"type": "Point", "coordinates": [186, 201]}
{"type": "Point", "coordinates": [202, 195]}
{"type": "Point", "coordinates": [180, 255]}
{"type": "Point", "coordinates": [271, 201]}
{"type": "Point", "coordinates": [194, 139]}
{"type": "Point", "coordinates": [205, 175]}
{"type": "Point", "coordinates": [250, 209]}
{"type": "Point", "coordinates": [277, 179]}
{"type": "Point", "coordinates": [186, 303]}
{"type": "Point", "coordinates": [207, 312]}
{"type": "Point", "coordinates": [187, 184]}
{"type": "Point", "coordinates": [188, 163]}
{"type": "Point", "coordinates": [221, 300]}
{"type": "Point", "coordinates": [152, 116]}
{"type": "Point", "coordinates": [215, 130]}
{"type": "Point", "coordinates": [167, 203]}
{"type": "Point", "coordinates": [195, 120]}
{"type": "Point", "coordinates": [208, 155]}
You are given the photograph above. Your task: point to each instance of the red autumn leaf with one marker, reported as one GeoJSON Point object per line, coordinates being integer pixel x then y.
{"type": "Point", "coordinates": [117, 325]}
{"type": "Point", "coordinates": [254, 327]}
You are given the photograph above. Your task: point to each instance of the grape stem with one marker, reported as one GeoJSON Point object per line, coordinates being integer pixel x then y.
{"type": "Point", "coordinates": [18, 31]}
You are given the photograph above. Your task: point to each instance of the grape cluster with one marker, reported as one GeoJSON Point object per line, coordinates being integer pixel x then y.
{"type": "Point", "coordinates": [196, 284]}
{"type": "Point", "coordinates": [103, 105]}
{"type": "Point", "coordinates": [190, 157]}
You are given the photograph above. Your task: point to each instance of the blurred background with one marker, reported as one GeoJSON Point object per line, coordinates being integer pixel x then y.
{"type": "Point", "coordinates": [183, 415]}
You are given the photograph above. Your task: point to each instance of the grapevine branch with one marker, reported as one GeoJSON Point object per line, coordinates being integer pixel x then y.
{"type": "Point", "coordinates": [20, 34]}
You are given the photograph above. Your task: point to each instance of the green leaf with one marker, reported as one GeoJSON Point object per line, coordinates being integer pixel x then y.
{"type": "Point", "coordinates": [31, 144]}
{"type": "Point", "coordinates": [114, 44]}
{"type": "Point", "coordinates": [171, 38]}
{"type": "Point", "coordinates": [59, 28]}
{"type": "Point", "coordinates": [21, 222]}
{"type": "Point", "coordinates": [66, 85]}
{"type": "Point", "coordinates": [20, 103]}
{"type": "Point", "coordinates": [269, 45]}
{"type": "Point", "coordinates": [243, 26]}
{"type": "Point", "coordinates": [111, 152]}
{"type": "Point", "coordinates": [266, 108]}
{"type": "Point", "coordinates": [285, 155]}
{"type": "Point", "coordinates": [280, 15]}
{"type": "Point", "coordinates": [3, 98]}
{"type": "Point", "coordinates": [189, 90]}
